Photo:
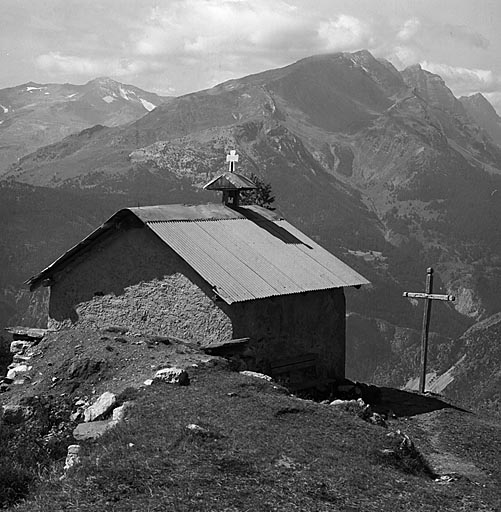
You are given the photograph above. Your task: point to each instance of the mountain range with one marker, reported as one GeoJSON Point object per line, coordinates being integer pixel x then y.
{"type": "Point", "coordinates": [385, 168]}
{"type": "Point", "coordinates": [33, 115]}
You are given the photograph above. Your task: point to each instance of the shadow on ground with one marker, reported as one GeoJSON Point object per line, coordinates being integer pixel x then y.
{"type": "Point", "coordinates": [408, 403]}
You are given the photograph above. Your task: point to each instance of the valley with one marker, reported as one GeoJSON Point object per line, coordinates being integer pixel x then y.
{"type": "Point", "coordinates": [386, 169]}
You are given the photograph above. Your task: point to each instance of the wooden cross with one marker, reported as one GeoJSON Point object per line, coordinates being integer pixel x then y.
{"type": "Point", "coordinates": [429, 296]}
{"type": "Point", "coordinates": [232, 158]}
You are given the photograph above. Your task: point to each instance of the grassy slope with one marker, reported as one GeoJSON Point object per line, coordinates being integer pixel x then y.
{"type": "Point", "coordinates": [263, 450]}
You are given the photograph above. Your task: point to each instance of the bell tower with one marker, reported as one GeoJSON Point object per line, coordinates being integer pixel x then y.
{"type": "Point", "coordinates": [231, 183]}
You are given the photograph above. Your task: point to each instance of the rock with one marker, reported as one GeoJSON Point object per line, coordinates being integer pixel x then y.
{"type": "Point", "coordinates": [100, 407]}
{"type": "Point", "coordinates": [4, 387]}
{"type": "Point", "coordinates": [20, 346]}
{"type": "Point", "coordinates": [19, 359]}
{"type": "Point", "coordinates": [405, 442]}
{"type": "Point", "coordinates": [120, 412]}
{"type": "Point", "coordinates": [83, 369]}
{"type": "Point", "coordinates": [74, 416]}
{"type": "Point", "coordinates": [15, 414]}
{"type": "Point", "coordinates": [345, 403]}
{"type": "Point", "coordinates": [22, 380]}
{"type": "Point", "coordinates": [73, 456]}
{"type": "Point", "coordinates": [197, 429]}
{"type": "Point", "coordinates": [286, 462]}
{"type": "Point", "coordinates": [387, 452]}
{"type": "Point", "coordinates": [377, 419]}
{"type": "Point", "coordinates": [256, 375]}
{"type": "Point", "coordinates": [92, 430]}
{"type": "Point", "coordinates": [17, 370]}
{"type": "Point", "coordinates": [173, 376]}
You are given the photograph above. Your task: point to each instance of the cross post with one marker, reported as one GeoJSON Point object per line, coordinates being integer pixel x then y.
{"type": "Point", "coordinates": [232, 158]}
{"type": "Point", "coordinates": [428, 296]}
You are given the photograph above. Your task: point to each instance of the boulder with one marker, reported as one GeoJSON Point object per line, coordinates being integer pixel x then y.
{"type": "Point", "coordinates": [100, 407]}
{"type": "Point", "coordinates": [92, 430]}
{"type": "Point", "coordinates": [15, 414]}
{"type": "Point", "coordinates": [173, 376]}
{"type": "Point", "coordinates": [256, 375]}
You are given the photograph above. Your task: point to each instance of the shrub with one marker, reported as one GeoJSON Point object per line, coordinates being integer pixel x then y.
{"type": "Point", "coordinates": [14, 482]}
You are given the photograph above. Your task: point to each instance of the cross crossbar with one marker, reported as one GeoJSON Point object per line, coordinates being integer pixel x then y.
{"type": "Point", "coordinates": [432, 296]}
{"type": "Point", "coordinates": [428, 296]}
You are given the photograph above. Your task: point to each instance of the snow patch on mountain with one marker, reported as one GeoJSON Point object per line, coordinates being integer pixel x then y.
{"type": "Point", "coordinates": [31, 89]}
{"type": "Point", "coordinates": [108, 99]}
{"type": "Point", "coordinates": [5, 109]}
{"type": "Point", "coordinates": [71, 95]}
{"type": "Point", "coordinates": [147, 105]}
{"type": "Point", "coordinates": [126, 95]}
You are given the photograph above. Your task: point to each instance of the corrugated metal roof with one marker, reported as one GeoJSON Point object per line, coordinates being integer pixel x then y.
{"type": "Point", "coordinates": [244, 260]}
{"type": "Point", "coordinates": [245, 253]}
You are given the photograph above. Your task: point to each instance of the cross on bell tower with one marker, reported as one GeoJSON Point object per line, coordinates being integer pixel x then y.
{"type": "Point", "coordinates": [230, 183]}
{"type": "Point", "coordinates": [232, 158]}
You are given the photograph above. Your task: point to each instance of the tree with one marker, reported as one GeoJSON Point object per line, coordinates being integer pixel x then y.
{"type": "Point", "coordinates": [262, 195]}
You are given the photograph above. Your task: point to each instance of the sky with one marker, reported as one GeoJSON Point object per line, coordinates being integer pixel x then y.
{"type": "Point", "coordinates": [173, 47]}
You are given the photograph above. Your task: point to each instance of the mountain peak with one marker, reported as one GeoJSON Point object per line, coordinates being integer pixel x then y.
{"type": "Point", "coordinates": [102, 80]}
{"type": "Point", "coordinates": [484, 114]}
{"type": "Point", "coordinates": [477, 98]}
{"type": "Point", "coordinates": [432, 88]}
{"type": "Point", "coordinates": [366, 54]}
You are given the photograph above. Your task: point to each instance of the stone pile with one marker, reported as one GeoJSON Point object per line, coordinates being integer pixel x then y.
{"type": "Point", "coordinates": [104, 413]}
{"type": "Point", "coordinates": [94, 424]}
{"type": "Point", "coordinates": [22, 347]}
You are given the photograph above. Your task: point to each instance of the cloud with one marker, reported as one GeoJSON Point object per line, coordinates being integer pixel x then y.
{"type": "Point", "coordinates": [465, 35]}
{"type": "Point", "coordinates": [230, 26]}
{"type": "Point", "coordinates": [415, 30]}
{"type": "Point", "coordinates": [222, 39]}
{"type": "Point", "coordinates": [464, 81]}
{"type": "Point", "coordinates": [56, 63]}
{"type": "Point", "coordinates": [345, 33]}
{"type": "Point", "coordinates": [409, 29]}
{"type": "Point", "coordinates": [194, 44]}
